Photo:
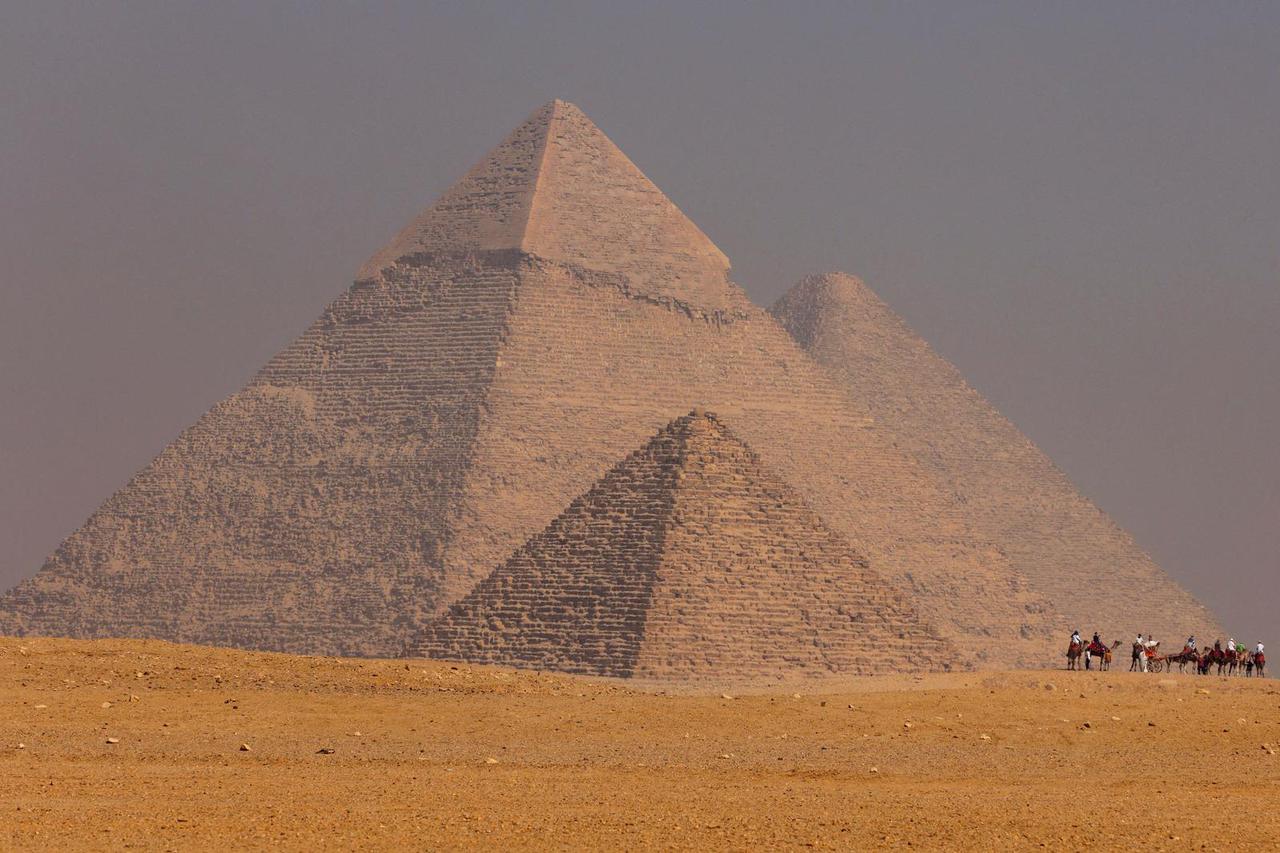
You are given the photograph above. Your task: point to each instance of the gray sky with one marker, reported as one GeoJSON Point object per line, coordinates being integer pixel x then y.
{"type": "Point", "coordinates": [1079, 204]}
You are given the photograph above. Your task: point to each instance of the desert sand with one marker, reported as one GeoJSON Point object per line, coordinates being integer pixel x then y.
{"type": "Point", "coordinates": [149, 745]}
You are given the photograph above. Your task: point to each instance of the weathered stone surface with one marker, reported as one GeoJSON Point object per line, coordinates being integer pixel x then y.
{"type": "Point", "coordinates": [466, 389]}
{"type": "Point", "coordinates": [1070, 552]}
{"type": "Point", "coordinates": [688, 559]}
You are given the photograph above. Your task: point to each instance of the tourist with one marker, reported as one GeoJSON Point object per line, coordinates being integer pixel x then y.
{"type": "Point", "coordinates": [1146, 651]}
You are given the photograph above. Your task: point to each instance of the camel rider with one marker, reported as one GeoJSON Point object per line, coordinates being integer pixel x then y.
{"type": "Point", "coordinates": [1231, 645]}
{"type": "Point", "coordinates": [1075, 638]}
{"type": "Point", "coordinates": [1137, 653]}
{"type": "Point", "coordinates": [1259, 650]}
{"type": "Point", "coordinates": [1191, 643]}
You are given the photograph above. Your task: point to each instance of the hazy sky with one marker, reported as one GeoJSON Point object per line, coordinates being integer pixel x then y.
{"type": "Point", "coordinates": [1079, 204]}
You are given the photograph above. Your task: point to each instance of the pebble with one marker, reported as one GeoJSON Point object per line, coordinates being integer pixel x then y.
{"type": "Point", "coordinates": [984, 737]}
{"type": "Point", "coordinates": [906, 725]}
{"type": "Point", "coordinates": [1203, 692]}
{"type": "Point", "coordinates": [491, 761]}
{"type": "Point", "coordinates": [24, 746]}
{"type": "Point", "coordinates": [725, 696]}
{"type": "Point", "coordinates": [244, 747]}
{"type": "Point", "coordinates": [875, 769]}
{"type": "Point", "coordinates": [113, 740]}
{"type": "Point", "coordinates": [41, 707]}
{"type": "Point", "coordinates": [325, 750]}
{"type": "Point", "coordinates": [106, 704]}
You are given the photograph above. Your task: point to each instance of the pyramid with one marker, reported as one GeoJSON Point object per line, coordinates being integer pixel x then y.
{"type": "Point", "coordinates": [547, 316]}
{"type": "Point", "coordinates": [1089, 569]}
{"type": "Point", "coordinates": [688, 560]}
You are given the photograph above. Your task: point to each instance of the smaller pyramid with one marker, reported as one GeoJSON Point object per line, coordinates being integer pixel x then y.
{"type": "Point", "coordinates": [688, 559]}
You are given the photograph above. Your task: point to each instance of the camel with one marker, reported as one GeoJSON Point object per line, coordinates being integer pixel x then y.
{"type": "Point", "coordinates": [1183, 658]}
{"type": "Point", "coordinates": [1074, 652]}
{"type": "Point", "coordinates": [1107, 654]}
{"type": "Point", "coordinates": [1218, 657]}
{"type": "Point", "coordinates": [1242, 660]}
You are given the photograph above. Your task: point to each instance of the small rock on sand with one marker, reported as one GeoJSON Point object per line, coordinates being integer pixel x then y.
{"type": "Point", "coordinates": [113, 740]}
{"type": "Point", "coordinates": [325, 750]}
{"type": "Point", "coordinates": [491, 761]}
{"type": "Point", "coordinates": [244, 747]}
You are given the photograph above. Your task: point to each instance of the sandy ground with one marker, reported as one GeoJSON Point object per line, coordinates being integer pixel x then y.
{"type": "Point", "coordinates": [126, 744]}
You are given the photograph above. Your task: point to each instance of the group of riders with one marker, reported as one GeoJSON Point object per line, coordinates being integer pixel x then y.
{"type": "Point", "coordinates": [1234, 657]}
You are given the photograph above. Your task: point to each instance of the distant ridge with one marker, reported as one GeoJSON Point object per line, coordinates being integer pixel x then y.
{"type": "Point", "coordinates": [1070, 551]}
{"type": "Point", "coordinates": [688, 559]}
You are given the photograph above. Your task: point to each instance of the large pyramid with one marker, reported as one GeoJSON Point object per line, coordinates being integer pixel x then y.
{"type": "Point", "coordinates": [548, 315]}
{"type": "Point", "coordinates": [1068, 549]}
{"type": "Point", "coordinates": [688, 559]}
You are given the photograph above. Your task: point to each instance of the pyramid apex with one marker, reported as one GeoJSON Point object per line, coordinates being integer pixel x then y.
{"type": "Point", "coordinates": [814, 295]}
{"type": "Point", "coordinates": [835, 281]}
{"type": "Point", "coordinates": [558, 188]}
{"type": "Point", "coordinates": [561, 105]}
